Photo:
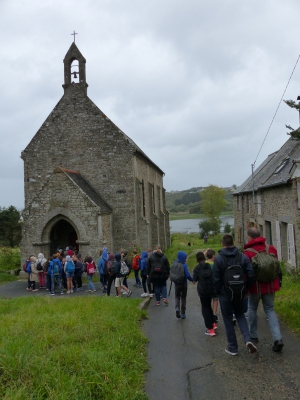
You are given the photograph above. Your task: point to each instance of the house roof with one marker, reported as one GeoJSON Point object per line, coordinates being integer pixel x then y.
{"type": "Point", "coordinates": [87, 188]}
{"type": "Point", "coordinates": [275, 169]}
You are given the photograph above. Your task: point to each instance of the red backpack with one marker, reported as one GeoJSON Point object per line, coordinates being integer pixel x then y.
{"type": "Point", "coordinates": [90, 268]}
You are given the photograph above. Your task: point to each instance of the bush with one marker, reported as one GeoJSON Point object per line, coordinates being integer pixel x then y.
{"type": "Point", "coordinates": [227, 228]}
{"type": "Point", "coordinates": [9, 258]}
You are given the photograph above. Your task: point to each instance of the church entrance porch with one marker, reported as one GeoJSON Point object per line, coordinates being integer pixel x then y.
{"type": "Point", "coordinates": [62, 235]}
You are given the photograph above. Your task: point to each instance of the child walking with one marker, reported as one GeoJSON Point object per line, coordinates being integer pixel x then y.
{"type": "Point", "coordinates": [90, 270]}
{"type": "Point", "coordinates": [210, 258]}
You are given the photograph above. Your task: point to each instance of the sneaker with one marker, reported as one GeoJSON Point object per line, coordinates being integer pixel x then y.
{"type": "Point", "coordinates": [215, 326]}
{"type": "Point", "coordinates": [251, 347]}
{"type": "Point", "coordinates": [71, 291]}
{"type": "Point", "coordinates": [151, 295]}
{"type": "Point", "coordinates": [89, 290]}
{"type": "Point", "coordinates": [165, 301]}
{"type": "Point", "coordinates": [234, 321]}
{"type": "Point", "coordinates": [68, 291]}
{"type": "Point", "coordinates": [61, 292]}
{"type": "Point", "coordinates": [140, 285]}
{"type": "Point", "coordinates": [144, 295]}
{"type": "Point", "coordinates": [52, 294]}
{"type": "Point", "coordinates": [210, 332]}
{"type": "Point", "coordinates": [35, 290]}
{"type": "Point", "coordinates": [254, 340]}
{"type": "Point", "coordinates": [278, 345]}
{"type": "Point", "coordinates": [129, 293]}
{"type": "Point", "coordinates": [136, 285]}
{"type": "Point", "coordinates": [232, 353]}
{"type": "Point", "coordinates": [183, 316]}
{"type": "Point", "coordinates": [177, 313]}
{"type": "Point", "coordinates": [28, 288]}
{"type": "Point", "coordinates": [94, 290]}
{"type": "Point", "coordinates": [158, 303]}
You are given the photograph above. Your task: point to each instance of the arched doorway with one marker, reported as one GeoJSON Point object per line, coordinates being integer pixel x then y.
{"type": "Point", "coordinates": [62, 235]}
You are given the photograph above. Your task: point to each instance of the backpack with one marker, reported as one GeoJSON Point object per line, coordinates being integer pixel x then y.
{"type": "Point", "coordinates": [205, 282]}
{"type": "Point", "coordinates": [136, 262]}
{"type": "Point", "coordinates": [124, 270]}
{"type": "Point", "coordinates": [90, 268]}
{"type": "Point", "coordinates": [55, 267]}
{"type": "Point", "coordinates": [114, 267]}
{"type": "Point", "coordinates": [266, 266]}
{"type": "Point", "coordinates": [28, 267]}
{"type": "Point", "coordinates": [25, 266]}
{"type": "Point", "coordinates": [39, 266]}
{"type": "Point", "coordinates": [70, 267]}
{"type": "Point", "coordinates": [233, 279]}
{"type": "Point", "coordinates": [177, 273]}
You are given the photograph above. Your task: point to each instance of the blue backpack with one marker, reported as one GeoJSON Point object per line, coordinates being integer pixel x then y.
{"type": "Point", "coordinates": [28, 267]}
{"type": "Point", "coordinates": [70, 267]}
{"type": "Point", "coordinates": [55, 267]}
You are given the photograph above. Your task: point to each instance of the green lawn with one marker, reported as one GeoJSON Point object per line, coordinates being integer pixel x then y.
{"type": "Point", "coordinates": [72, 348]}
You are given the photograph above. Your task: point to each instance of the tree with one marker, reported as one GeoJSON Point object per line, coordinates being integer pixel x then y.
{"type": "Point", "coordinates": [227, 228]}
{"type": "Point", "coordinates": [211, 225]}
{"type": "Point", "coordinates": [213, 201]}
{"type": "Point", "coordinates": [10, 226]}
{"type": "Point", "coordinates": [294, 133]}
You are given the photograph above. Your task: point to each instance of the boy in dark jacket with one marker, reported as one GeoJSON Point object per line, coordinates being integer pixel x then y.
{"type": "Point", "coordinates": [204, 276]}
{"type": "Point", "coordinates": [181, 288]}
{"type": "Point", "coordinates": [229, 256]}
{"type": "Point", "coordinates": [158, 270]}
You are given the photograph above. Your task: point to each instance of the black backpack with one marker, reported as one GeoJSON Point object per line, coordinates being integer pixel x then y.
{"type": "Point", "coordinates": [177, 273]}
{"type": "Point", "coordinates": [233, 279]}
{"type": "Point", "coordinates": [205, 283]}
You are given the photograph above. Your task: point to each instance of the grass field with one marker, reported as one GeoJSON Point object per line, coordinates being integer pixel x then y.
{"type": "Point", "coordinates": [72, 348]}
{"type": "Point", "coordinates": [186, 215]}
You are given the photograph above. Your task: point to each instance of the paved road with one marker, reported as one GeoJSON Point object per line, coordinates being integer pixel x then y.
{"type": "Point", "coordinates": [186, 364]}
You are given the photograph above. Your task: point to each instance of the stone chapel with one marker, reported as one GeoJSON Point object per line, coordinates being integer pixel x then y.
{"type": "Point", "coordinates": [86, 183]}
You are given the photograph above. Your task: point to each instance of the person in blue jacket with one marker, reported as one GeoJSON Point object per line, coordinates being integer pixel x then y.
{"type": "Point", "coordinates": [181, 289]}
{"type": "Point", "coordinates": [55, 272]}
{"type": "Point", "coordinates": [143, 269]}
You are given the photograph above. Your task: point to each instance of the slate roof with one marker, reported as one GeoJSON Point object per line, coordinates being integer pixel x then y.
{"type": "Point", "coordinates": [275, 170]}
{"type": "Point", "coordinates": [85, 186]}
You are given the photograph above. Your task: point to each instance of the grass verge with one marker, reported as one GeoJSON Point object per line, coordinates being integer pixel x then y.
{"type": "Point", "coordinates": [287, 302]}
{"type": "Point", "coordinates": [6, 277]}
{"type": "Point", "coordinates": [79, 348]}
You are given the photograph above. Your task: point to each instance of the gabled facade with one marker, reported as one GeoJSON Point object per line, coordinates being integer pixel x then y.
{"type": "Point", "coordinates": [86, 183]}
{"type": "Point", "coordinates": [270, 201]}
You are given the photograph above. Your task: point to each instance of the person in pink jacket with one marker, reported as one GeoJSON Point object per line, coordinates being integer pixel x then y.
{"type": "Point", "coordinates": [264, 291]}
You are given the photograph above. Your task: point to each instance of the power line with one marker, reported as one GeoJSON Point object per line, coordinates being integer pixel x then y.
{"type": "Point", "coordinates": [276, 111]}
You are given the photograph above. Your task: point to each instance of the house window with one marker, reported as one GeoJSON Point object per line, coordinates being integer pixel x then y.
{"type": "Point", "coordinates": [268, 228]}
{"type": "Point", "coordinates": [298, 193]}
{"type": "Point", "coordinates": [291, 245]}
{"type": "Point", "coordinates": [258, 201]}
{"type": "Point", "coordinates": [143, 210]}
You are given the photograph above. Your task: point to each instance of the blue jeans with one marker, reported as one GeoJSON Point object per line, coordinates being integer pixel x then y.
{"type": "Point", "coordinates": [90, 282]}
{"type": "Point", "coordinates": [58, 279]}
{"type": "Point", "coordinates": [228, 308]}
{"type": "Point", "coordinates": [268, 304]}
{"type": "Point", "coordinates": [160, 288]}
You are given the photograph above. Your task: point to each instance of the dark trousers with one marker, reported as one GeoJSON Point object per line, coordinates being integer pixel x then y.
{"type": "Point", "coordinates": [48, 282]}
{"type": "Point", "coordinates": [110, 280]}
{"type": "Point", "coordinates": [180, 296]}
{"type": "Point", "coordinates": [238, 308]}
{"type": "Point", "coordinates": [78, 280]}
{"type": "Point", "coordinates": [207, 312]}
{"type": "Point", "coordinates": [103, 279]}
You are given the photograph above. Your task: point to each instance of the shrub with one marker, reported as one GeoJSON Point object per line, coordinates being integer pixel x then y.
{"type": "Point", "coordinates": [9, 258]}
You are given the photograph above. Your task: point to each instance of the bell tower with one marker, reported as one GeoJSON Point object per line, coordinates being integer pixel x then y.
{"type": "Point", "coordinates": [79, 71]}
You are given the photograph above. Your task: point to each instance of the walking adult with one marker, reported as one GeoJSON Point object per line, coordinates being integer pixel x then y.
{"type": "Point", "coordinates": [40, 267]}
{"type": "Point", "coordinates": [229, 256]}
{"type": "Point", "coordinates": [158, 270]}
{"type": "Point", "coordinates": [264, 291]}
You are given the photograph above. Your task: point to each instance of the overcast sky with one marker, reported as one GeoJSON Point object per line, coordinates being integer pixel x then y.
{"type": "Point", "coordinates": [195, 83]}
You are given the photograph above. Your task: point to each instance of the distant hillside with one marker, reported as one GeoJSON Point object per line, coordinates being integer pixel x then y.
{"type": "Point", "coordinates": [189, 200]}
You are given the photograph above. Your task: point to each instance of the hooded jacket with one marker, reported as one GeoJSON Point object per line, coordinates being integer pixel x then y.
{"type": "Point", "coordinates": [220, 265]}
{"type": "Point", "coordinates": [259, 244]}
{"type": "Point", "coordinates": [181, 257]}
{"type": "Point", "coordinates": [41, 259]}
{"type": "Point", "coordinates": [118, 265]}
{"type": "Point", "coordinates": [143, 263]}
{"type": "Point", "coordinates": [158, 259]}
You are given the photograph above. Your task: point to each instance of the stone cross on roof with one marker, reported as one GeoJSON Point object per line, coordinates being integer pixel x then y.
{"type": "Point", "coordinates": [74, 33]}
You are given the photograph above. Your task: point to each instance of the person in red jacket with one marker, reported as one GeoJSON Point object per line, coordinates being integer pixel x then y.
{"type": "Point", "coordinates": [264, 291]}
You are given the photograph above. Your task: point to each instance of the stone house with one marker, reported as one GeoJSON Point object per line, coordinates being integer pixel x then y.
{"type": "Point", "coordinates": [86, 183]}
{"type": "Point", "coordinates": [270, 201]}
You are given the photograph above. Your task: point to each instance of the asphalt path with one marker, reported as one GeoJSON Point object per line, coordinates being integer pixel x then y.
{"type": "Point", "coordinates": [187, 364]}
